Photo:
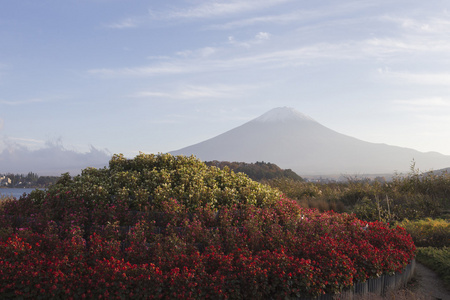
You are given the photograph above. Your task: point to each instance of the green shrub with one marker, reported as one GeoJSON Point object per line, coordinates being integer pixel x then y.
{"type": "Point", "coordinates": [259, 171]}
{"type": "Point", "coordinates": [410, 197]}
{"type": "Point", "coordinates": [323, 197]}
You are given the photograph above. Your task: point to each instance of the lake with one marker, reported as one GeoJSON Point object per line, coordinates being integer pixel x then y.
{"type": "Point", "coordinates": [15, 192]}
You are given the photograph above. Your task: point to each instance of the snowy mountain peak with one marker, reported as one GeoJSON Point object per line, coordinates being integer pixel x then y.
{"type": "Point", "coordinates": [282, 114]}
{"type": "Point", "coordinates": [291, 140]}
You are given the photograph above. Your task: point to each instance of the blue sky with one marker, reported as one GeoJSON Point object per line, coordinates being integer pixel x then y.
{"type": "Point", "coordinates": [123, 76]}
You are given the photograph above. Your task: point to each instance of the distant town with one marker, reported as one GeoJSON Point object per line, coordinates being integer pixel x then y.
{"type": "Point", "coordinates": [30, 180]}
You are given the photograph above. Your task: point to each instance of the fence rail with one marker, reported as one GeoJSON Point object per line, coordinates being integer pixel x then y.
{"type": "Point", "coordinates": [378, 286]}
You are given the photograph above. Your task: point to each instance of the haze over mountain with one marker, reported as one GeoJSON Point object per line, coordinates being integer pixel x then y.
{"type": "Point", "coordinates": [53, 159]}
{"type": "Point", "coordinates": [293, 140]}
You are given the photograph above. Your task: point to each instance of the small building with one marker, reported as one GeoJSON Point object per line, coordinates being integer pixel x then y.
{"type": "Point", "coordinates": [5, 181]}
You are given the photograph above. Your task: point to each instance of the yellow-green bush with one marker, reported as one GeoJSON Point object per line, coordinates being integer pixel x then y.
{"type": "Point", "coordinates": [148, 180]}
{"type": "Point", "coordinates": [428, 232]}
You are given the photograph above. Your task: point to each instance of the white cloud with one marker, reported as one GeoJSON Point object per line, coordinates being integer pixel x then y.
{"type": "Point", "coordinates": [172, 67]}
{"type": "Point", "coordinates": [414, 45]}
{"type": "Point", "coordinates": [53, 159]}
{"type": "Point", "coordinates": [293, 50]}
{"type": "Point", "coordinates": [425, 103]}
{"type": "Point", "coordinates": [292, 57]}
{"type": "Point", "coordinates": [27, 142]}
{"type": "Point", "coordinates": [412, 36]}
{"type": "Point", "coordinates": [2, 123]}
{"type": "Point", "coordinates": [298, 16]}
{"type": "Point", "coordinates": [204, 10]}
{"type": "Point", "coordinates": [257, 39]}
{"type": "Point", "coordinates": [427, 113]}
{"type": "Point", "coordinates": [416, 78]}
{"type": "Point", "coordinates": [262, 36]}
{"type": "Point", "coordinates": [201, 53]}
{"type": "Point", "coordinates": [207, 51]}
{"type": "Point", "coordinates": [22, 102]}
{"type": "Point", "coordinates": [197, 92]}
{"type": "Point", "coordinates": [126, 23]}
{"type": "Point", "coordinates": [216, 8]}
{"type": "Point", "coordinates": [278, 19]}
{"type": "Point", "coordinates": [431, 25]}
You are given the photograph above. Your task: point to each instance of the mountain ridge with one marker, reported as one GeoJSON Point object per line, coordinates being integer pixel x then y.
{"type": "Point", "coordinates": [292, 140]}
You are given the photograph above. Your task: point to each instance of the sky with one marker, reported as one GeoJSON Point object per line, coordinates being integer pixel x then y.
{"type": "Point", "coordinates": [90, 78]}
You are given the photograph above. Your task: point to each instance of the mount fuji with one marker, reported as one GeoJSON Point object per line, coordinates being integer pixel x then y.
{"type": "Point", "coordinates": [293, 140]}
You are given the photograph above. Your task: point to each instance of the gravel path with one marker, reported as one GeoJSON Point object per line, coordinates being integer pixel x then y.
{"type": "Point", "coordinates": [430, 284]}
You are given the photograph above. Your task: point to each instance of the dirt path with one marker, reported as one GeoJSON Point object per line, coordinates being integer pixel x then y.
{"type": "Point", "coordinates": [428, 283]}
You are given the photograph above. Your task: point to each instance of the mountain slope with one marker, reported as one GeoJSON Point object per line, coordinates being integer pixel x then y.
{"type": "Point", "coordinates": [292, 140]}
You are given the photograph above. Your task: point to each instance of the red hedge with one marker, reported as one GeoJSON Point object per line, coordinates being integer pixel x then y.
{"type": "Point", "coordinates": [282, 251]}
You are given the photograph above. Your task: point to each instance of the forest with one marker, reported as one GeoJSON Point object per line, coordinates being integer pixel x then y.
{"type": "Point", "coordinates": [30, 180]}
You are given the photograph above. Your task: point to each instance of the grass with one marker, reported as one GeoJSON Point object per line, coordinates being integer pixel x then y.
{"type": "Point", "coordinates": [438, 260]}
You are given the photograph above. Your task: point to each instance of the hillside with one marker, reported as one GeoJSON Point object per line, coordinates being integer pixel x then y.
{"type": "Point", "coordinates": [293, 140]}
{"type": "Point", "coordinates": [257, 171]}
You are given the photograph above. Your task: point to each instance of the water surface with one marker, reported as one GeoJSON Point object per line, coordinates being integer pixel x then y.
{"type": "Point", "coordinates": [15, 192]}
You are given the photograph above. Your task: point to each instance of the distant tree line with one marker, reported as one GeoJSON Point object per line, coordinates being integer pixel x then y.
{"type": "Point", "coordinates": [258, 171]}
{"type": "Point", "coordinates": [30, 180]}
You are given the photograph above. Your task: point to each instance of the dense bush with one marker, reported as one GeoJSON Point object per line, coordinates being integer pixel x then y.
{"type": "Point", "coordinates": [238, 252]}
{"type": "Point", "coordinates": [258, 171]}
{"type": "Point", "coordinates": [170, 227]}
{"type": "Point", "coordinates": [149, 180]}
{"type": "Point", "coordinates": [415, 196]}
{"type": "Point", "coordinates": [428, 232]}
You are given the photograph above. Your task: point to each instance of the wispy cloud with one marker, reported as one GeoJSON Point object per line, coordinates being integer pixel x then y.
{"type": "Point", "coordinates": [401, 44]}
{"type": "Point", "coordinates": [292, 57]}
{"type": "Point", "coordinates": [274, 19]}
{"type": "Point", "coordinates": [257, 39]}
{"type": "Point", "coordinates": [23, 102]}
{"type": "Point", "coordinates": [172, 67]}
{"type": "Point", "coordinates": [431, 111]}
{"type": "Point", "coordinates": [28, 141]}
{"type": "Point", "coordinates": [416, 78]}
{"type": "Point", "coordinates": [296, 16]}
{"type": "Point", "coordinates": [412, 36]}
{"type": "Point", "coordinates": [199, 53]}
{"type": "Point", "coordinates": [421, 25]}
{"type": "Point", "coordinates": [425, 103]}
{"type": "Point", "coordinates": [2, 123]}
{"type": "Point", "coordinates": [211, 9]}
{"type": "Point", "coordinates": [197, 92]}
{"type": "Point", "coordinates": [206, 10]}
{"type": "Point", "coordinates": [123, 24]}
{"type": "Point", "coordinates": [410, 44]}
